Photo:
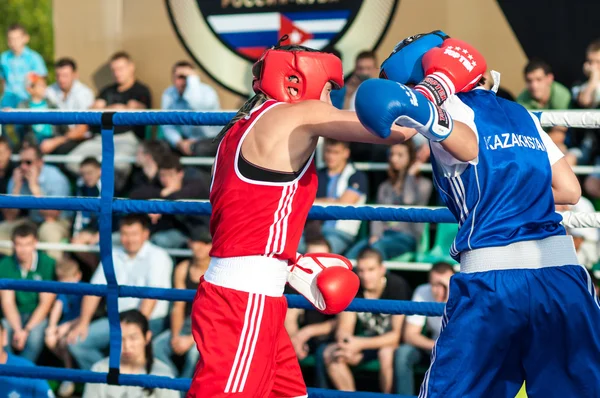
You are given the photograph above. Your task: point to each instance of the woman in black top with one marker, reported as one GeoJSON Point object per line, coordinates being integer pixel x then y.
{"type": "Point", "coordinates": [178, 340]}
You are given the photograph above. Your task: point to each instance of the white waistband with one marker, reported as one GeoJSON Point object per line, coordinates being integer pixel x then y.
{"type": "Point", "coordinates": [252, 274]}
{"type": "Point", "coordinates": [554, 251]}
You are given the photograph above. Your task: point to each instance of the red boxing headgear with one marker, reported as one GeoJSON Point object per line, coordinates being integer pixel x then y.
{"type": "Point", "coordinates": [313, 69]}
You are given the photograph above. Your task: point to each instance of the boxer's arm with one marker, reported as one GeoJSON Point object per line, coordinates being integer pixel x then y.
{"type": "Point", "coordinates": [320, 119]}
{"type": "Point", "coordinates": [565, 186]}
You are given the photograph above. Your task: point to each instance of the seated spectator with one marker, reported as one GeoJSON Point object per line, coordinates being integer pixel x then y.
{"type": "Point", "coordinates": [543, 92]}
{"type": "Point", "coordinates": [404, 187]}
{"type": "Point", "coordinates": [126, 94]}
{"type": "Point", "coordinates": [26, 313]}
{"type": "Point", "coordinates": [137, 263]}
{"type": "Point", "coordinates": [136, 358]}
{"type": "Point", "coordinates": [17, 387]}
{"type": "Point", "coordinates": [37, 133]}
{"type": "Point", "coordinates": [170, 230]}
{"type": "Point", "coordinates": [88, 261]}
{"type": "Point", "coordinates": [340, 184]}
{"type": "Point", "coordinates": [421, 332]}
{"type": "Point", "coordinates": [68, 94]}
{"type": "Point", "coordinates": [145, 172]}
{"type": "Point", "coordinates": [308, 329]}
{"type": "Point", "coordinates": [188, 93]}
{"type": "Point", "coordinates": [66, 308]}
{"type": "Point", "coordinates": [362, 337]}
{"type": "Point", "coordinates": [88, 186]}
{"type": "Point", "coordinates": [587, 93]}
{"type": "Point", "coordinates": [6, 169]}
{"type": "Point", "coordinates": [178, 342]}
{"type": "Point", "coordinates": [365, 67]}
{"type": "Point", "coordinates": [35, 178]}
{"type": "Point", "coordinates": [15, 64]}
{"type": "Point", "coordinates": [587, 96]}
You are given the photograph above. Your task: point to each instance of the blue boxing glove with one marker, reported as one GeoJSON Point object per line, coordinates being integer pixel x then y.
{"type": "Point", "coordinates": [380, 103]}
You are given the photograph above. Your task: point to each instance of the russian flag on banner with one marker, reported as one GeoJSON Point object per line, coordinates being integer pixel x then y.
{"type": "Point", "coordinates": [252, 34]}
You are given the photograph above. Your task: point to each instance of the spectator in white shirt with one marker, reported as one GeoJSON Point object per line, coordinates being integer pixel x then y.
{"type": "Point", "coordinates": [417, 346]}
{"type": "Point", "coordinates": [68, 94]}
{"type": "Point", "coordinates": [137, 263]}
{"type": "Point", "coordinates": [190, 94]}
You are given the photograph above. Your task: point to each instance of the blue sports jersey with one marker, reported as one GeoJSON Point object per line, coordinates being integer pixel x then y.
{"type": "Point", "coordinates": [20, 387]}
{"type": "Point", "coordinates": [505, 196]}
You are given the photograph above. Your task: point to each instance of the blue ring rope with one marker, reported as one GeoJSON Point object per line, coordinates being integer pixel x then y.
{"type": "Point", "coordinates": [106, 205]}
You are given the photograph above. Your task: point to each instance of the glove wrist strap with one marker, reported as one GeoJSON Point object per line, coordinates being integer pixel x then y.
{"type": "Point", "coordinates": [436, 87]}
{"type": "Point", "coordinates": [441, 126]}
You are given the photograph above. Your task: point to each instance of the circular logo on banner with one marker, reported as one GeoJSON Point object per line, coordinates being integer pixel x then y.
{"type": "Point", "coordinates": [225, 37]}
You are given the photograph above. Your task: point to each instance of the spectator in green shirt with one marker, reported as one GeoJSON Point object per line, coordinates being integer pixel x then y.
{"type": "Point", "coordinates": [542, 92]}
{"type": "Point", "coordinates": [26, 313]}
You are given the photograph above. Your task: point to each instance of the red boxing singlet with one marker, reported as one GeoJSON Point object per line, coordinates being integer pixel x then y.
{"type": "Point", "coordinates": [252, 217]}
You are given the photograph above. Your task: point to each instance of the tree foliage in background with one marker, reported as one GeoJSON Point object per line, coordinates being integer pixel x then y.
{"type": "Point", "coordinates": [36, 17]}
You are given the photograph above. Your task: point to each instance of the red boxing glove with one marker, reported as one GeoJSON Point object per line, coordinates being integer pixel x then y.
{"type": "Point", "coordinates": [452, 68]}
{"type": "Point", "coordinates": [326, 280]}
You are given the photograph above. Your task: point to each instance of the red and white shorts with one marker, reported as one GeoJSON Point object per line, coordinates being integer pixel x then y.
{"type": "Point", "coordinates": [244, 348]}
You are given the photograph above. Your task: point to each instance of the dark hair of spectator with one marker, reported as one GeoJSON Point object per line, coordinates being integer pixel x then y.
{"type": "Point", "coordinates": [24, 230]}
{"type": "Point", "coordinates": [131, 219]}
{"type": "Point", "coordinates": [169, 162]}
{"type": "Point", "coordinates": [331, 141]}
{"type": "Point", "coordinates": [395, 175]}
{"type": "Point", "coordinates": [366, 55]}
{"type": "Point", "coordinates": [182, 64]}
{"type": "Point", "coordinates": [156, 149]}
{"type": "Point", "coordinates": [67, 267]}
{"type": "Point", "coordinates": [135, 317]}
{"type": "Point", "coordinates": [5, 141]}
{"type": "Point", "coordinates": [90, 161]}
{"type": "Point", "coordinates": [593, 46]}
{"type": "Point", "coordinates": [62, 62]}
{"type": "Point", "coordinates": [120, 55]}
{"type": "Point", "coordinates": [369, 252]}
{"type": "Point", "coordinates": [535, 64]}
{"type": "Point", "coordinates": [16, 26]}
{"type": "Point", "coordinates": [318, 241]}
{"type": "Point", "coordinates": [442, 267]}
{"type": "Point", "coordinates": [32, 145]}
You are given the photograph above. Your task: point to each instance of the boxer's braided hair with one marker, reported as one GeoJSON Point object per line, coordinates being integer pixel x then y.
{"type": "Point", "coordinates": [259, 98]}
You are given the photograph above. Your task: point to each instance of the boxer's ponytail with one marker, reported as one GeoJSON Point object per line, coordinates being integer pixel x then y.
{"type": "Point", "coordinates": [244, 111]}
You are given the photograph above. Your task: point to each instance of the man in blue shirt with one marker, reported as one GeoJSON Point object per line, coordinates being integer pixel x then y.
{"type": "Point", "coordinates": [15, 64]}
{"type": "Point", "coordinates": [34, 178]}
{"type": "Point", "coordinates": [188, 93]}
{"type": "Point", "coordinates": [20, 387]}
{"type": "Point", "coordinates": [340, 184]}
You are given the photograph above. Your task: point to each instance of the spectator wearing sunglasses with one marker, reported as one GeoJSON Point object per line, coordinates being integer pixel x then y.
{"type": "Point", "coordinates": [35, 178]}
{"type": "Point", "coordinates": [190, 94]}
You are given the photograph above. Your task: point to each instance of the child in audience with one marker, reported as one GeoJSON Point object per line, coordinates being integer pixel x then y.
{"type": "Point", "coordinates": [136, 358]}
{"type": "Point", "coordinates": [66, 308]}
{"type": "Point", "coordinates": [36, 87]}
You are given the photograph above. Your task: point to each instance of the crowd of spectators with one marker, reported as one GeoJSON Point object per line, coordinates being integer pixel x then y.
{"type": "Point", "coordinates": [74, 331]}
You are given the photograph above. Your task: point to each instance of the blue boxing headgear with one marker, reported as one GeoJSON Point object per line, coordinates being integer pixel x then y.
{"type": "Point", "coordinates": [404, 63]}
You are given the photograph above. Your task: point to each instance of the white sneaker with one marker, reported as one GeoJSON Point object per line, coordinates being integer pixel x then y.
{"type": "Point", "coordinates": [66, 389]}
